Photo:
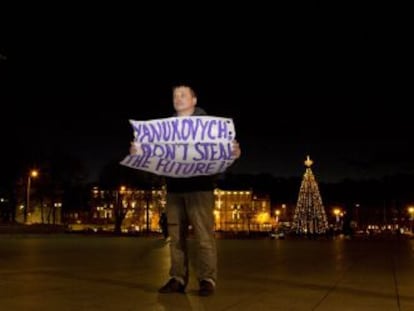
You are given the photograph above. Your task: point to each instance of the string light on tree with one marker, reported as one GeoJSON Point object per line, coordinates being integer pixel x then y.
{"type": "Point", "coordinates": [310, 216]}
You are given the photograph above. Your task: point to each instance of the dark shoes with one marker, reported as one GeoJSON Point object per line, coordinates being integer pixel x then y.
{"type": "Point", "coordinates": [172, 286]}
{"type": "Point", "coordinates": [206, 288]}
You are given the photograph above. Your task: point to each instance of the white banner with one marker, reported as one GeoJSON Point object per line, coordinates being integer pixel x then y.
{"type": "Point", "coordinates": [183, 146]}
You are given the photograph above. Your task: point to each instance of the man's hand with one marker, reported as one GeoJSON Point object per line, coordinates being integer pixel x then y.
{"type": "Point", "coordinates": [135, 148]}
{"type": "Point", "coordinates": [236, 151]}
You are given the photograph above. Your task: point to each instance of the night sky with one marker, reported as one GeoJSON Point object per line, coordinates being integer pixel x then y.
{"type": "Point", "coordinates": [339, 101]}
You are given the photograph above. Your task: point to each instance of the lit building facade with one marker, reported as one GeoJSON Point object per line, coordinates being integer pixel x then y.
{"type": "Point", "coordinates": [136, 209]}
{"type": "Point", "coordinates": [44, 211]}
{"type": "Point", "coordinates": [241, 211]}
{"type": "Point", "coordinates": [140, 210]}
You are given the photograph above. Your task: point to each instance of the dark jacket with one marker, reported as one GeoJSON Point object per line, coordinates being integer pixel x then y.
{"type": "Point", "coordinates": [191, 184]}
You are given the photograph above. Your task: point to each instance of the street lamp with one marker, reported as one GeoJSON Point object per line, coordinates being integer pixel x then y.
{"type": "Point", "coordinates": [277, 213]}
{"type": "Point", "coordinates": [32, 174]}
{"type": "Point", "coordinates": [337, 213]}
{"type": "Point", "coordinates": [411, 212]}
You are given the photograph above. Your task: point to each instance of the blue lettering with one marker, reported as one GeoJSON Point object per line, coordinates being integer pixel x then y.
{"type": "Point", "coordinates": [187, 129]}
{"type": "Point", "coordinates": [175, 129]}
{"type": "Point", "coordinates": [137, 129]}
{"type": "Point", "coordinates": [213, 151]}
{"type": "Point", "coordinates": [199, 148]}
{"type": "Point", "coordinates": [138, 161]}
{"type": "Point", "coordinates": [203, 128]}
{"type": "Point", "coordinates": [188, 167]}
{"type": "Point", "coordinates": [200, 168]}
{"type": "Point", "coordinates": [156, 133]}
{"type": "Point", "coordinates": [164, 166]}
{"type": "Point", "coordinates": [210, 129]}
{"type": "Point", "coordinates": [166, 128]}
{"type": "Point", "coordinates": [185, 151]}
{"type": "Point", "coordinates": [222, 129]}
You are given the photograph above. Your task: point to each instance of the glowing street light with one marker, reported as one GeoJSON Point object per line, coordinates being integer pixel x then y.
{"type": "Point", "coordinates": [411, 212]}
{"type": "Point", "coordinates": [337, 212]}
{"type": "Point", "coordinates": [277, 213]}
{"type": "Point", "coordinates": [32, 174]}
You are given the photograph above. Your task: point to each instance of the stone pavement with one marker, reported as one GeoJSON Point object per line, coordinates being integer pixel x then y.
{"type": "Point", "coordinates": [80, 272]}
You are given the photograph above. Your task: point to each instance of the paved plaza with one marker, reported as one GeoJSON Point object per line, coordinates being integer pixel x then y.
{"type": "Point", "coordinates": [87, 272]}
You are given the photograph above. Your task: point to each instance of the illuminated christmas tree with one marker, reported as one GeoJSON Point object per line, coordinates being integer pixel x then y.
{"type": "Point", "coordinates": [310, 216]}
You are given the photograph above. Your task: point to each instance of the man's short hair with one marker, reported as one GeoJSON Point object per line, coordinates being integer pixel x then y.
{"type": "Point", "coordinates": [193, 93]}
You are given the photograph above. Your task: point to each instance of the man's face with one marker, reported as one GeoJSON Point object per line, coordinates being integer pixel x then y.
{"type": "Point", "coordinates": [184, 101]}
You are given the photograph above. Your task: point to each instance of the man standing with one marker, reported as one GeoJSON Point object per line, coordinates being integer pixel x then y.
{"type": "Point", "coordinates": [190, 201]}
